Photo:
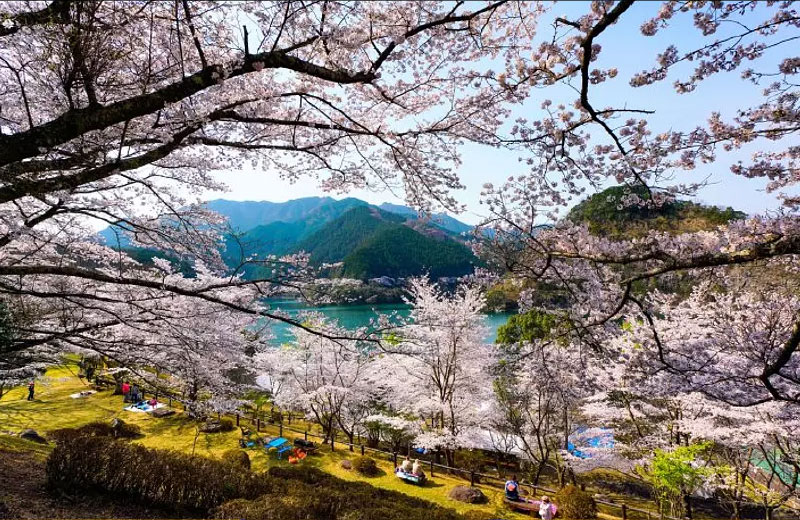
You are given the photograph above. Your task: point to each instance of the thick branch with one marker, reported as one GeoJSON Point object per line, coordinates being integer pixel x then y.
{"type": "Point", "coordinates": [56, 11]}
{"type": "Point", "coordinates": [77, 122]}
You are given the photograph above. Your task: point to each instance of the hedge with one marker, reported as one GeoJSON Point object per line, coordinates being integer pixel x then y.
{"type": "Point", "coordinates": [159, 477]}
{"type": "Point", "coordinates": [309, 494]}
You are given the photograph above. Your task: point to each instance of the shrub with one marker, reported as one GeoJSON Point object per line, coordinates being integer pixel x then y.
{"type": "Point", "coordinates": [366, 466]}
{"type": "Point", "coordinates": [158, 477]}
{"type": "Point", "coordinates": [117, 428]}
{"type": "Point", "coordinates": [227, 424]}
{"type": "Point", "coordinates": [238, 458]}
{"type": "Point", "coordinates": [574, 504]}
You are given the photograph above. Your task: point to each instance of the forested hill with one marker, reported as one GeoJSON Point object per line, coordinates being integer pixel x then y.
{"type": "Point", "coordinates": [605, 214]}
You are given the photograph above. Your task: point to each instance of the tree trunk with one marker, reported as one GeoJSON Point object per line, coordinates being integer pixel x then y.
{"type": "Point", "coordinates": [687, 505]}
{"type": "Point", "coordinates": [538, 474]}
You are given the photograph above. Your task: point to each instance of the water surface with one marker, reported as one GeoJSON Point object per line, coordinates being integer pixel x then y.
{"type": "Point", "coordinates": [355, 316]}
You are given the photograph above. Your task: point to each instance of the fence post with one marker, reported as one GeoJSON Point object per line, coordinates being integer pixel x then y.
{"type": "Point", "coordinates": [431, 466]}
{"type": "Point", "coordinates": [305, 435]}
{"type": "Point", "coordinates": [472, 478]}
{"type": "Point", "coordinates": [258, 424]}
{"type": "Point", "coordinates": [237, 419]}
{"type": "Point", "coordinates": [583, 486]}
{"type": "Point", "coordinates": [625, 512]}
{"type": "Point", "coordinates": [362, 450]}
{"type": "Point", "coordinates": [280, 429]}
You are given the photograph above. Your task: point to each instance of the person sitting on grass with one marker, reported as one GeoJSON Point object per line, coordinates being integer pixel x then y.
{"type": "Point", "coordinates": [406, 465]}
{"type": "Point", "coordinates": [153, 402]}
{"type": "Point", "coordinates": [512, 490]}
{"type": "Point", "coordinates": [416, 469]}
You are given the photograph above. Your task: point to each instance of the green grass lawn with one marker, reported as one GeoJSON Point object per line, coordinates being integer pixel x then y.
{"type": "Point", "coordinates": [53, 408]}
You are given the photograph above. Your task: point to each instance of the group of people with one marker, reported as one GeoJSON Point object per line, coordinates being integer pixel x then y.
{"type": "Point", "coordinates": [132, 394]}
{"type": "Point", "coordinates": [412, 469]}
{"type": "Point", "coordinates": [546, 509]}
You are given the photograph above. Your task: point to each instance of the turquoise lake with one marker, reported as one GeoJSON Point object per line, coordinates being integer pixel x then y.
{"type": "Point", "coordinates": [355, 316]}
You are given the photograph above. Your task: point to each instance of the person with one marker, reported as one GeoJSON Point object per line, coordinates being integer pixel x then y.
{"type": "Point", "coordinates": [31, 389]}
{"type": "Point", "coordinates": [153, 402]}
{"type": "Point", "coordinates": [126, 392]}
{"type": "Point", "coordinates": [512, 489]}
{"type": "Point", "coordinates": [416, 469]}
{"type": "Point", "coordinates": [135, 393]}
{"type": "Point", "coordinates": [545, 509]}
{"type": "Point", "coordinates": [406, 465]}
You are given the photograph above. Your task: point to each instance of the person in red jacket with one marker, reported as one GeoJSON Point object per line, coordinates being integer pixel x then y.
{"type": "Point", "coordinates": [126, 391]}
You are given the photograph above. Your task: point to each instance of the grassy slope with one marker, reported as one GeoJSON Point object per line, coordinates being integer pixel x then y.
{"type": "Point", "coordinates": [54, 409]}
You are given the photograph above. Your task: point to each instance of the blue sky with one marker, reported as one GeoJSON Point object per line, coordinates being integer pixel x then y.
{"type": "Point", "coordinates": [625, 48]}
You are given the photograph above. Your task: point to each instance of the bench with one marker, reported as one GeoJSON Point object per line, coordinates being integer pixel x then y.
{"type": "Point", "coordinates": [280, 444]}
{"type": "Point", "coordinates": [528, 507]}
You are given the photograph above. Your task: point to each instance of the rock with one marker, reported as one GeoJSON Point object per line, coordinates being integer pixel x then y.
{"type": "Point", "coordinates": [212, 426]}
{"type": "Point", "coordinates": [162, 412]}
{"type": "Point", "coordinates": [31, 435]}
{"type": "Point", "coordinates": [467, 494]}
{"type": "Point", "coordinates": [346, 464]}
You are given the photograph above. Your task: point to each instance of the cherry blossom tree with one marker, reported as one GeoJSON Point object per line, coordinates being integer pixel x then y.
{"type": "Point", "coordinates": [323, 377]}
{"type": "Point", "coordinates": [122, 113]}
{"type": "Point", "coordinates": [575, 143]}
{"type": "Point", "coordinates": [438, 367]}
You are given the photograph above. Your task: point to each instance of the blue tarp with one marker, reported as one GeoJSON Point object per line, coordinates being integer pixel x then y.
{"type": "Point", "coordinates": [605, 440]}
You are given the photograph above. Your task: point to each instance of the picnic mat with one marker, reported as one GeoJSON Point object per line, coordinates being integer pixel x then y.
{"type": "Point", "coordinates": [143, 408]}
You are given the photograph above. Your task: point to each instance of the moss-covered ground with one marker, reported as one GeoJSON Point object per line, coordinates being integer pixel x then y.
{"type": "Point", "coordinates": [53, 408]}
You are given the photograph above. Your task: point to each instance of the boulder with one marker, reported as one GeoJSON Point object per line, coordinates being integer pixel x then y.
{"type": "Point", "coordinates": [212, 426]}
{"type": "Point", "coordinates": [346, 464]}
{"type": "Point", "coordinates": [31, 435]}
{"type": "Point", "coordinates": [467, 494]}
{"type": "Point", "coordinates": [162, 412]}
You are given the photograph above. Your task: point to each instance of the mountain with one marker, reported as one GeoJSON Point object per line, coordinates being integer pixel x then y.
{"type": "Point", "coordinates": [442, 220]}
{"type": "Point", "coordinates": [246, 215]}
{"type": "Point", "coordinates": [332, 231]}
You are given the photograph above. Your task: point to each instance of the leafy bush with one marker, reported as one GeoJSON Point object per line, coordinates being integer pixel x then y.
{"type": "Point", "coordinates": [158, 477]}
{"type": "Point", "coordinates": [575, 504]}
{"type": "Point", "coordinates": [226, 424]}
{"type": "Point", "coordinates": [238, 458]}
{"type": "Point", "coordinates": [96, 429]}
{"type": "Point", "coordinates": [366, 466]}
